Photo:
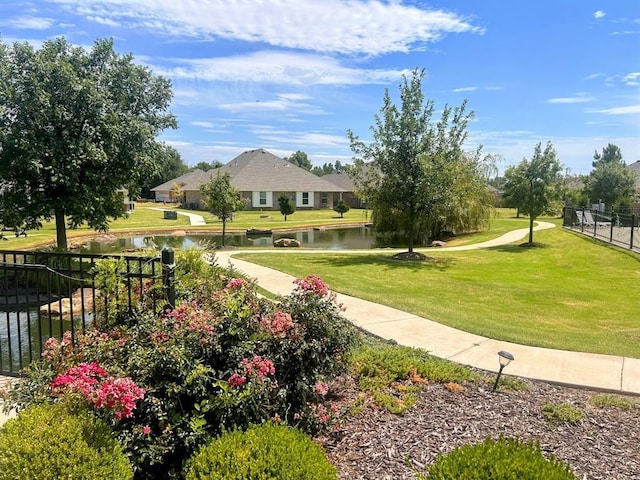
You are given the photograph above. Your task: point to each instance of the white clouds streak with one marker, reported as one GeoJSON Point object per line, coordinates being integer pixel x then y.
{"type": "Point", "coordinates": [599, 14]}
{"type": "Point", "coordinates": [277, 68]}
{"type": "Point", "coordinates": [28, 23]}
{"type": "Point", "coordinates": [626, 110]}
{"type": "Point", "coordinates": [578, 98]}
{"type": "Point", "coordinates": [369, 27]}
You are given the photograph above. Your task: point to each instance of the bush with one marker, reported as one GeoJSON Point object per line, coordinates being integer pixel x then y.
{"type": "Point", "coordinates": [49, 442]}
{"type": "Point", "coordinates": [266, 452]}
{"type": "Point", "coordinates": [557, 413]}
{"type": "Point", "coordinates": [223, 358]}
{"type": "Point", "coordinates": [383, 370]}
{"type": "Point", "coordinates": [503, 459]}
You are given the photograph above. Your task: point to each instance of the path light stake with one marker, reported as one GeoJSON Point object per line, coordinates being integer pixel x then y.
{"type": "Point", "coordinates": [505, 358]}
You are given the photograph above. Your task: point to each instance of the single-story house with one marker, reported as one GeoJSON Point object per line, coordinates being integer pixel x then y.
{"type": "Point", "coordinates": [261, 177]}
{"type": "Point", "coordinates": [345, 181]}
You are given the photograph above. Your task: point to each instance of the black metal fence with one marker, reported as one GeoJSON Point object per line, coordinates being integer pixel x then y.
{"type": "Point", "coordinates": [44, 294]}
{"type": "Point", "coordinates": [618, 228]}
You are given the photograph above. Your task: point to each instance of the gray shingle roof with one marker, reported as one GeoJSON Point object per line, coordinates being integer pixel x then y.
{"type": "Point", "coordinates": [257, 171]}
{"type": "Point", "coordinates": [188, 182]}
{"type": "Point", "coordinates": [342, 180]}
{"type": "Point", "coordinates": [260, 170]}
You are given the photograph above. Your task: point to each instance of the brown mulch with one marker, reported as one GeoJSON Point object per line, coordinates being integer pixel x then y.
{"type": "Point", "coordinates": [377, 445]}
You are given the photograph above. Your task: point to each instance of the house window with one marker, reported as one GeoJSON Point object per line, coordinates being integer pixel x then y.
{"type": "Point", "coordinates": [305, 198]}
{"type": "Point", "coordinates": [324, 198]}
{"type": "Point", "coordinates": [263, 198]}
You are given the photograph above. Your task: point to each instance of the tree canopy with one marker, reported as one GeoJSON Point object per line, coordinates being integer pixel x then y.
{"type": "Point", "coordinates": [535, 186]}
{"type": "Point", "coordinates": [205, 166]}
{"type": "Point", "coordinates": [221, 199]}
{"type": "Point", "coordinates": [414, 174]}
{"type": "Point", "coordinates": [287, 207]}
{"type": "Point", "coordinates": [610, 181]}
{"type": "Point", "coordinates": [300, 159]}
{"type": "Point", "coordinates": [76, 128]}
{"type": "Point", "coordinates": [169, 164]}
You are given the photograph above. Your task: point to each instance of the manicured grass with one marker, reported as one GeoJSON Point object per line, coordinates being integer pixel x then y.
{"type": "Point", "coordinates": [571, 293]}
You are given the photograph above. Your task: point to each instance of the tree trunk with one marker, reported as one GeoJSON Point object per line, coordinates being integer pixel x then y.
{"type": "Point", "coordinates": [224, 229]}
{"type": "Point", "coordinates": [61, 229]}
{"type": "Point", "coordinates": [531, 229]}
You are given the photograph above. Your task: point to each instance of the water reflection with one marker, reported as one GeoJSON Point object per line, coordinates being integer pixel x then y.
{"type": "Point", "coordinates": [332, 239]}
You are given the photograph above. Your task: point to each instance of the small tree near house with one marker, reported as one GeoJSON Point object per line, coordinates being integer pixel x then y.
{"type": "Point", "coordinates": [341, 208]}
{"type": "Point", "coordinates": [286, 206]}
{"type": "Point", "coordinates": [222, 199]}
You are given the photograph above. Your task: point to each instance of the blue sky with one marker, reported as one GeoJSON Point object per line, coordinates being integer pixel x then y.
{"type": "Point", "coordinates": [289, 75]}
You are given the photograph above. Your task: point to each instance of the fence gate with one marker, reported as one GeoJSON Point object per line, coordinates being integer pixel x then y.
{"type": "Point", "coordinates": [44, 294]}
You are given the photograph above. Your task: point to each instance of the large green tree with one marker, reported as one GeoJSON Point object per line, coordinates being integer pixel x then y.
{"type": "Point", "coordinates": [413, 171]}
{"type": "Point", "coordinates": [169, 164]}
{"type": "Point", "coordinates": [610, 181]}
{"type": "Point", "coordinates": [300, 159]}
{"type": "Point", "coordinates": [222, 199]}
{"type": "Point", "coordinates": [535, 186]}
{"type": "Point", "coordinates": [76, 127]}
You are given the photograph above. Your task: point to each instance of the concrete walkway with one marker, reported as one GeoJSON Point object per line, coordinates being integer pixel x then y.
{"type": "Point", "coordinates": [194, 218]}
{"type": "Point", "coordinates": [588, 370]}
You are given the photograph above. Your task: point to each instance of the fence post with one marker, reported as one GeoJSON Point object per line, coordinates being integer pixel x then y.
{"type": "Point", "coordinates": [168, 275]}
{"type": "Point", "coordinates": [633, 224]}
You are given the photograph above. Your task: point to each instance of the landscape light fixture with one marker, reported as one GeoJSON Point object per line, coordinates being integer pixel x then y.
{"type": "Point", "coordinates": [505, 358]}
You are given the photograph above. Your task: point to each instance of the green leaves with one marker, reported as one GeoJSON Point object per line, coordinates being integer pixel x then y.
{"type": "Point", "coordinates": [75, 127]}
{"type": "Point", "coordinates": [418, 180]}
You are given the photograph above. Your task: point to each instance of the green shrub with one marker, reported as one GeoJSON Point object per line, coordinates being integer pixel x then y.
{"type": "Point", "coordinates": [266, 452]}
{"type": "Point", "coordinates": [379, 367]}
{"type": "Point", "coordinates": [502, 459]}
{"type": "Point", "coordinates": [50, 442]}
{"type": "Point", "coordinates": [557, 413]}
{"type": "Point", "coordinates": [602, 400]}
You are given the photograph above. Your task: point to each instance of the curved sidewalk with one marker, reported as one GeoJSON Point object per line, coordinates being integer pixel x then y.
{"type": "Point", "coordinates": [586, 370]}
{"type": "Point", "coordinates": [194, 218]}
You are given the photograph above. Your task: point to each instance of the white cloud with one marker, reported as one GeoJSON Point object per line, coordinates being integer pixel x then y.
{"type": "Point", "coordinates": [28, 23]}
{"type": "Point", "coordinates": [104, 21]}
{"type": "Point", "coordinates": [282, 68]}
{"type": "Point", "coordinates": [578, 98]}
{"type": "Point", "coordinates": [282, 103]}
{"type": "Point", "coordinates": [632, 79]}
{"type": "Point", "coordinates": [370, 27]}
{"type": "Point", "coordinates": [599, 14]}
{"type": "Point", "coordinates": [465, 89]}
{"type": "Point", "coordinates": [627, 110]}
{"type": "Point", "coordinates": [203, 124]}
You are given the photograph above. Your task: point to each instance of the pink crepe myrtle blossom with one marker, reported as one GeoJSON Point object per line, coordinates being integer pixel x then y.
{"type": "Point", "coordinates": [258, 366]}
{"type": "Point", "coordinates": [278, 326]}
{"type": "Point", "coordinates": [92, 382]}
{"type": "Point", "coordinates": [236, 380]}
{"type": "Point", "coordinates": [312, 284]}
{"type": "Point", "coordinates": [236, 284]}
{"type": "Point", "coordinates": [118, 395]}
{"type": "Point", "coordinates": [321, 388]}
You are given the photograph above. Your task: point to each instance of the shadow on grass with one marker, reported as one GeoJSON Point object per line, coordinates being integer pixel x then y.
{"type": "Point", "coordinates": [377, 260]}
{"type": "Point", "coordinates": [522, 248]}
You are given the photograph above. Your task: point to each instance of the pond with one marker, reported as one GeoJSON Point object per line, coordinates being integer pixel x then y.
{"type": "Point", "coordinates": [361, 237]}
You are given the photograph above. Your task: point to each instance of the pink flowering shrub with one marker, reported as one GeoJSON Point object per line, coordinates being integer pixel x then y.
{"type": "Point", "coordinates": [222, 358]}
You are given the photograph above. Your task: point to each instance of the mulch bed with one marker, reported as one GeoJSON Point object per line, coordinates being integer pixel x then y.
{"type": "Point", "coordinates": [377, 445]}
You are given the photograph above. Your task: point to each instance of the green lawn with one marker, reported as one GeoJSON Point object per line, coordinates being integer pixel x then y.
{"type": "Point", "coordinates": [571, 294]}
